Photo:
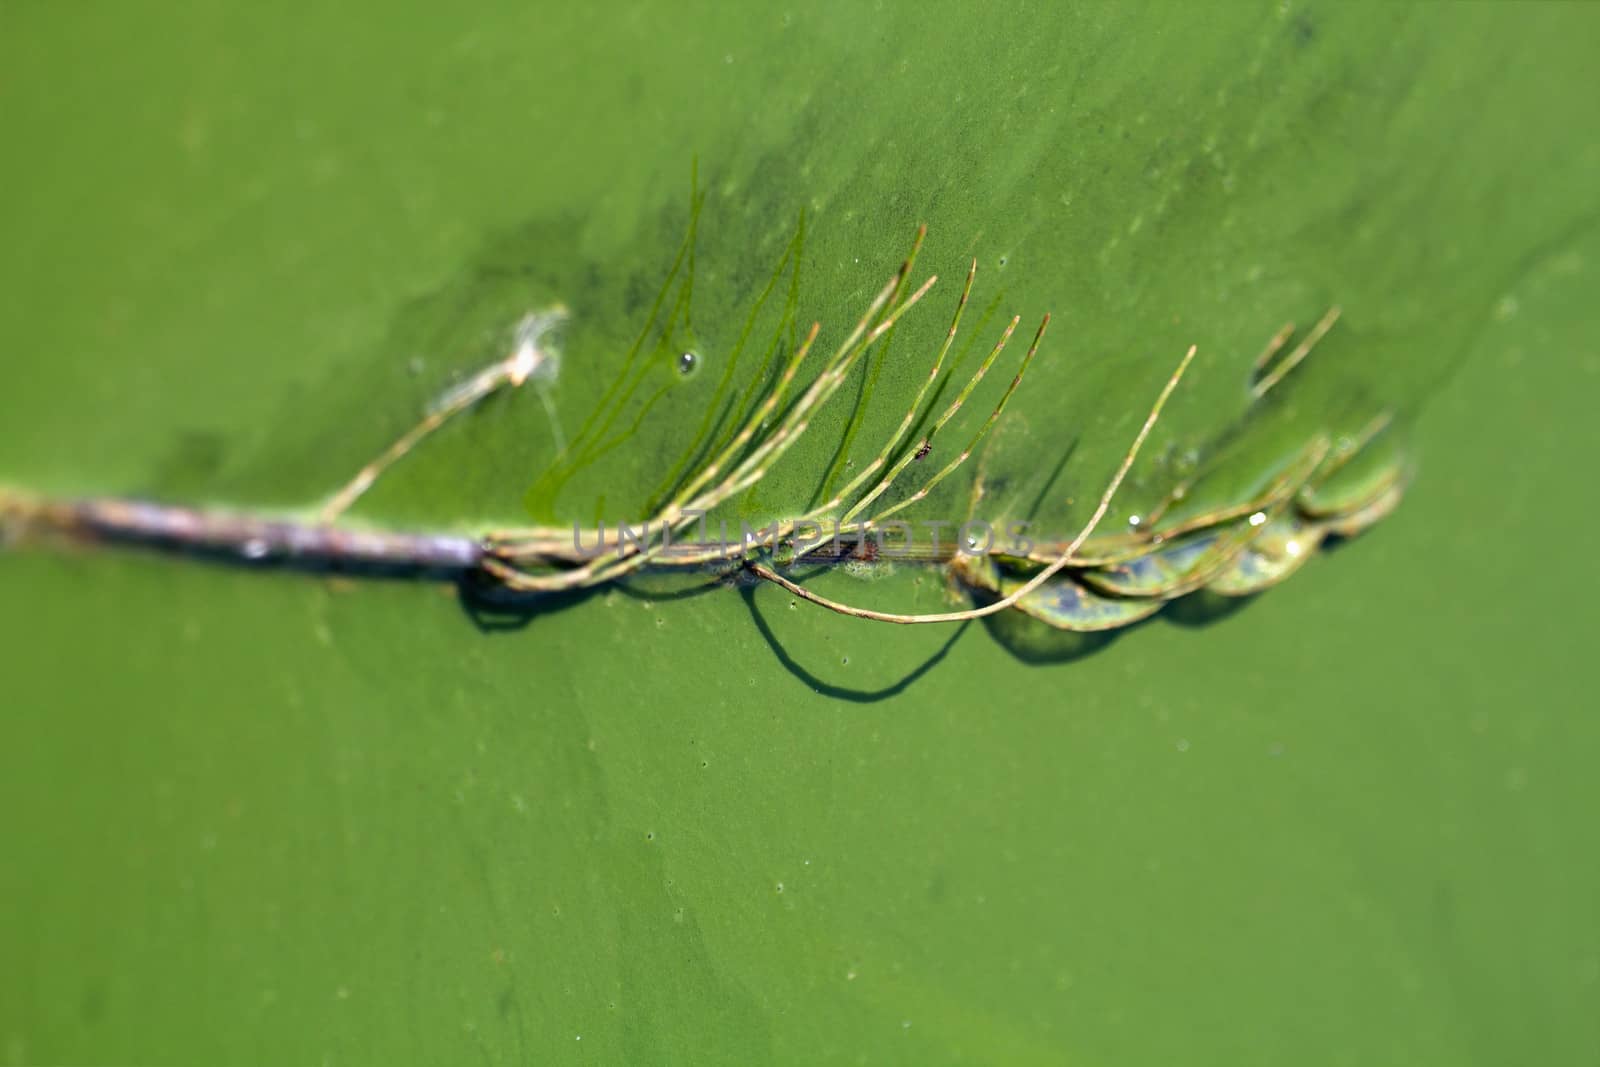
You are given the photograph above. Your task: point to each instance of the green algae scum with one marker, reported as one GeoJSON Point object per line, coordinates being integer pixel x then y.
{"type": "Point", "coordinates": [387, 677]}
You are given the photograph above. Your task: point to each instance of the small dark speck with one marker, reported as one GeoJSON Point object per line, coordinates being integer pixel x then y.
{"type": "Point", "coordinates": [1304, 30]}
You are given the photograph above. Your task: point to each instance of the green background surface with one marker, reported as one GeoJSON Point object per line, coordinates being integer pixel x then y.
{"type": "Point", "coordinates": [267, 817]}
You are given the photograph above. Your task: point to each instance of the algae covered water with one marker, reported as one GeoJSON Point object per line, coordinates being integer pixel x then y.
{"type": "Point", "coordinates": [266, 816]}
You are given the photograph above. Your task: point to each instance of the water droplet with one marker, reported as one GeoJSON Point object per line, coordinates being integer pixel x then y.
{"type": "Point", "coordinates": [687, 363]}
